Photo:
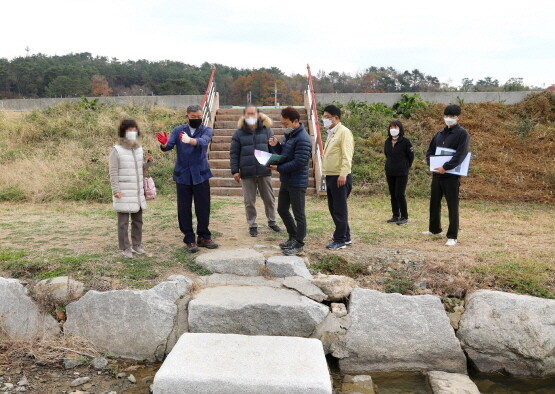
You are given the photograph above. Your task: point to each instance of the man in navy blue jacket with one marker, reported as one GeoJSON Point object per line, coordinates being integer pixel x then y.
{"type": "Point", "coordinates": [192, 177]}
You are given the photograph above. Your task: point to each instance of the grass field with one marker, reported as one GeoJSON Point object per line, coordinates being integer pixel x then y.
{"type": "Point", "coordinates": [506, 246]}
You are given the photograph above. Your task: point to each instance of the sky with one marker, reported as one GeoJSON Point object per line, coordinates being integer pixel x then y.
{"type": "Point", "coordinates": [447, 39]}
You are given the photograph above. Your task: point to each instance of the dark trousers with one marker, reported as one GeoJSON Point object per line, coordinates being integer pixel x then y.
{"type": "Point", "coordinates": [337, 204]}
{"type": "Point", "coordinates": [293, 197]}
{"type": "Point", "coordinates": [397, 186]}
{"type": "Point", "coordinates": [136, 229]}
{"type": "Point", "coordinates": [448, 187]}
{"type": "Point", "coordinates": [200, 194]}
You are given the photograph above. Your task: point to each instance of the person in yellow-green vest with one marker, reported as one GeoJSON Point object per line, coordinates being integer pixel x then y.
{"type": "Point", "coordinates": [336, 166]}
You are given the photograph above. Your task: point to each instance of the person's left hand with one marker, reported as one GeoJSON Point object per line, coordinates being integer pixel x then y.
{"type": "Point", "coordinates": [274, 168]}
{"type": "Point", "coordinates": [440, 170]}
{"type": "Point", "coordinates": [185, 137]}
{"type": "Point", "coordinates": [149, 157]}
{"type": "Point", "coordinates": [341, 180]}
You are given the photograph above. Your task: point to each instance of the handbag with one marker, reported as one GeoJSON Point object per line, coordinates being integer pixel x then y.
{"type": "Point", "coordinates": [150, 188]}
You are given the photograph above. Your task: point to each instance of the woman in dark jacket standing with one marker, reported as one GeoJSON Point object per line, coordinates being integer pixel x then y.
{"type": "Point", "coordinates": [399, 155]}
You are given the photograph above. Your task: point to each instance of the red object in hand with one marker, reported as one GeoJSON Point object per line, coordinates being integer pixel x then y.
{"type": "Point", "coordinates": [162, 138]}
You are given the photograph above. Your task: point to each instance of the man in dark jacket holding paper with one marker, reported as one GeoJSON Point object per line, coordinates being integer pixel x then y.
{"type": "Point", "coordinates": [253, 133]}
{"type": "Point", "coordinates": [293, 174]}
{"type": "Point", "coordinates": [453, 139]}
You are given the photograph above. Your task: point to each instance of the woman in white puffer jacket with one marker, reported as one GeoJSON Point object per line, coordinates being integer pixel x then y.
{"type": "Point", "coordinates": [126, 178]}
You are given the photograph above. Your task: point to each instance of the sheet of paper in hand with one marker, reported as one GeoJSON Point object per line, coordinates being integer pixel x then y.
{"type": "Point", "coordinates": [461, 169]}
{"type": "Point", "coordinates": [266, 158]}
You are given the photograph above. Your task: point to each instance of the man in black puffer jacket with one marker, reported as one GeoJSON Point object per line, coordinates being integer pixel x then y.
{"type": "Point", "coordinates": [253, 133]}
{"type": "Point", "coordinates": [293, 174]}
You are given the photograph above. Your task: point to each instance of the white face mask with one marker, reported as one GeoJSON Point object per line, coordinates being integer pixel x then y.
{"type": "Point", "coordinates": [251, 121]}
{"type": "Point", "coordinates": [327, 123]}
{"type": "Point", "coordinates": [450, 121]}
{"type": "Point", "coordinates": [394, 132]}
{"type": "Point", "coordinates": [287, 130]}
{"type": "Point", "coordinates": [131, 135]}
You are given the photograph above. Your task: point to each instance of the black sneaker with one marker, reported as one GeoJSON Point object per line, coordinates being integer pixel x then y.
{"type": "Point", "coordinates": [275, 227]}
{"type": "Point", "coordinates": [296, 249]}
{"type": "Point", "coordinates": [287, 244]}
{"type": "Point", "coordinates": [348, 242]}
{"type": "Point", "coordinates": [336, 245]}
{"type": "Point", "coordinates": [402, 221]}
{"type": "Point", "coordinates": [394, 219]}
{"type": "Point", "coordinates": [253, 231]}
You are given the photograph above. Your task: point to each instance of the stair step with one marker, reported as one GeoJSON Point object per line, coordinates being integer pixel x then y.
{"type": "Point", "coordinates": [224, 131]}
{"type": "Point", "coordinates": [267, 111]}
{"type": "Point", "coordinates": [235, 118]}
{"type": "Point", "coordinates": [223, 156]}
{"type": "Point", "coordinates": [237, 191]}
{"type": "Point", "coordinates": [230, 182]}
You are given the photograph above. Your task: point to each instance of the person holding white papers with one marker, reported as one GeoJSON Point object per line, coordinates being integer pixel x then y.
{"type": "Point", "coordinates": [452, 141]}
{"type": "Point", "coordinates": [254, 131]}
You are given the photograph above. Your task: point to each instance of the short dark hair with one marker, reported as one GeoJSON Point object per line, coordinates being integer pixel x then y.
{"type": "Point", "coordinates": [452, 110]}
{"type": "Point", "coordinates": [333, 110]}
{"type": "Point", "coordinates": [290, 113]}
{"type": "Point", "coordinates": [399, 125]}
{"type": "Point", "coordinates": [127, 124]}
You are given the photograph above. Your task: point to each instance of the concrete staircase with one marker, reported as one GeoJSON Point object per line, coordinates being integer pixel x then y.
{"type": "Point", "coordinates": [225, 124]}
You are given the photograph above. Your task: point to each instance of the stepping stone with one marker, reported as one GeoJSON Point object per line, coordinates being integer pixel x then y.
{"type": "Point", "coordinates": [255, 310]}
{"type": "Point", "coordinates": [238, 280]}
{"type": "Point", "coordinates": [246, 262]}
{"type": "Point", "coordinates": [393, 332]}
{"type": "Point", "coordinates": [284, 266]}
{"type": "Point", "coordinates": [238, 364]}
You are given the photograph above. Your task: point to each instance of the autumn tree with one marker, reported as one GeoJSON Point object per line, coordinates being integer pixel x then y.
{"type": "Point", "coordinates": [100, 86]}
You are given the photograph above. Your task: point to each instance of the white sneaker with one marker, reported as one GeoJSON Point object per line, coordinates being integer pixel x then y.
{"type": "Point", "coordinates": [451, 242]}
{"type": "Point", "coordinates": [127, 253]}
{"type": "Point", "coordinates": [138, 250]}
{"type": "Point", "coordinates": [430, 233]}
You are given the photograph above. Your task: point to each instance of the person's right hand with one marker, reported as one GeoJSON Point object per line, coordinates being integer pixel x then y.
{"type": "Point", "coordinates": [273, 141]}
{"type": "Point", "coordinates": [117, 195]}
{"type": "Point", "coordinates": [162, 138]}
{"type": "Point", "coordinates": [237, 177]}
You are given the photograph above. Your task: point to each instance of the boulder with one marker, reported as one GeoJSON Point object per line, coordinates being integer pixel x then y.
{"type": "Point", "coordinates": [20, 317]}
{"type": "Point", "coordinates": [134, 324]}
{"type": "Point", "coordinates": [61, 290]}
{"type": "Point", "coordinates": [393, 332]}
{"type": "Point", "coordinates": [510, 333]}
{"type": "Point", "coordinates": [238, 364]}
{"type": "Point", "coordinates": [451, 383]}
{"type": "Point", "coordinates": [246, 262]}
{"type": "Point", "coordinates": [336, 287]}
{"type": "Point", "coordinates": [252, 310]}
{"type": "Point", "coordinates": [284, 266]}
{"type": "Point", "coordinates": [305, 287]}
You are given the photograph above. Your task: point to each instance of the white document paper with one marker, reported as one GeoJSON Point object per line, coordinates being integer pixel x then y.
{"type": "Point", "coordinates": [461, 169]}
{"type": "Point", "coordinates": [441, 151]}
{"type": "Point", "coordinates": [262, 156]}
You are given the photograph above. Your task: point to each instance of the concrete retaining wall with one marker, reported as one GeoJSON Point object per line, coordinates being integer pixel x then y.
{"type": "Point", "coordinates": [175, 102]}
{"type": "Point", "coordinates": [435, 97]}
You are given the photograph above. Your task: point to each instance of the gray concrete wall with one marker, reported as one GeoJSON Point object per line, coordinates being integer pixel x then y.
{"type": "Point", "coordinates": [176, 102]}
{"type": "Point", "coordinates": [435, 97]}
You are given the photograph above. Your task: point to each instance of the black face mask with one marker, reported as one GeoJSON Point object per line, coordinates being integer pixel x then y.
{"type": "Point", "coordinates": [195, 123]}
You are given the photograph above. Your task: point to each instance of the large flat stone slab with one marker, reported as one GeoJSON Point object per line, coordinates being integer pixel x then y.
{"type": "Point", "coordinates": [511, 333]}
{"type": "Point", "coordinates": [238, 280]}
{"type": "Point", "coordinates": [254, 311]}
{"type": "Point", "coordinates": [393, 332]}
{"type": "Point", "coordinates": [284, 266]}
{"type": "Point", "coordinates": [238, 364]}
{"type": "Point", "coordinates": [451, 383]}
{"type": "Point", "coordinates": [246, 262]}
{"type": "Point", "coordinates": [20, 317]}
{"type": "Point", "coordinates": [134, 324]}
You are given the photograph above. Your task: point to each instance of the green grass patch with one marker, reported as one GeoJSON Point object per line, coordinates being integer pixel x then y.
{"type": "Point", "coordinates": [188, 261]}
{"type": "Point", "coordinates": [332, 264]}
{"type": "Point", "coordinates": [398, 283]}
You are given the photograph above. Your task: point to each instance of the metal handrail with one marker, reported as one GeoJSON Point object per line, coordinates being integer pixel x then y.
{"type": "Point", "coordinates": [208, 99]}
{"type": "Point", "coordinates": [313, 118]}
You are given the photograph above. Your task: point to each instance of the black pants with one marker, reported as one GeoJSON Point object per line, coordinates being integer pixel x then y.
{"type": "Point", "coordinates": [337, 204]}
{"type": "Point", "coordinates": [397, 186]}
{"type": "Point", "coordinates": [200, 194]}
{"type": "Point", "coordinates": [448, 187]}
{"type": "Point", "coordinates": [293, 197]}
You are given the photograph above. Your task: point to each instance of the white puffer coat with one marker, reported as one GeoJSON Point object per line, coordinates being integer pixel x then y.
{"type": "Point", "coordinates": [130, 180]}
